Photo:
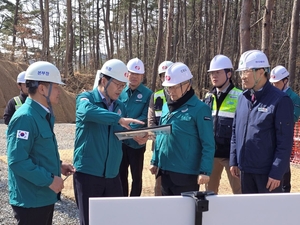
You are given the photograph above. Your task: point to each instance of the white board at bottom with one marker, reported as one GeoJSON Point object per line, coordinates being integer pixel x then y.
{"type": "Point", "coordinates": [175, 210]}
{"type": "Point", "coordinates": [254, 209]}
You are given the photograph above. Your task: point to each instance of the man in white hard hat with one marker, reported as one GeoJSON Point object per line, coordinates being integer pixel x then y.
{"type": "Point", "coordinates": [34, 166]}
{"type": "Point", "coordinates": [135, 97]}
{"type": "Point", "coordinates": [263, 126]}
{"type": "Point", "coordinates": [98, 152]}
{"type": "Point", "coordinates": [279, 77]}
{"type": "Point", "coordinates": [154, 112]}
{"type": "Point", "coordinates": [183, 159]}
{"type": "Point", "coordinates": [222, 100]}
{"type": "Point", "coordinates": [17, 101]}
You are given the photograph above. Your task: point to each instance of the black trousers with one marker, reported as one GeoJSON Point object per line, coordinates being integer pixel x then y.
{"type": "Point", "coordinates": [175, 183]}
{"type": "Point", "coordinates": [286, 181]}
{"type": "Point", "coordinates": [135, 159]}
{"type": "Point", "coordinates": [29, 216]}
{"type": "Point", "coordinates": [86, 186]}
{"type": "Point", "coordinates": [256, 183]}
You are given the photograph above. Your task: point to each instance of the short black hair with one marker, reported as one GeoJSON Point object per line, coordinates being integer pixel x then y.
{"type": "Point", "coordinates": [32, 85]}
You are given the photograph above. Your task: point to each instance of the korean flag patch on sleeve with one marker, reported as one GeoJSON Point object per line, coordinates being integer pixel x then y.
{"type": "Point", "coordinates": [21, 134]}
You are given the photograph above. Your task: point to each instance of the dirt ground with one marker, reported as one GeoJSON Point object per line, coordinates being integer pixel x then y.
{"type": "Point", "coordinates": [148, 178]}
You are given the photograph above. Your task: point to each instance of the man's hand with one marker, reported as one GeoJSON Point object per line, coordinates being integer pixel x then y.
{"type": "Point", "coordinates": [203, 179]}
{"type": "Point", "coordinates": [141, 139]}
{"type": "Point", "coordinates": [57, 184]}
{"type": "Point", "coordinates": [272, 184]}
{"type": "Point", "coordinates": [153, 169]}
{"type": "Point", "coordinates": [124, 122]}
{"type": "Point", "coordinates": [235, 172]}
{"type": "Point", "coordinates": [67, 169]}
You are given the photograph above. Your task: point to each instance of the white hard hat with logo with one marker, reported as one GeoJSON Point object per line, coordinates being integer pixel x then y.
{"type": "Point", "coordinates": [253, 59]}
{"type": "Point", "coordinates": [176, 74]}
{"type": "Point", "coordinates": [220, 62]}
{"type": "Point", "coordinates": [21, 78]}
{"type": "Point", "coordinates": [136, 66]}
{"type": "Point", "coordinates": [278, 73]}
{"type": "Point", "coordinates": [164, 66]}
{"type": "Point", "coordinates": [113, 68]}
{"type": "Point", "coordinates": [43, 71]}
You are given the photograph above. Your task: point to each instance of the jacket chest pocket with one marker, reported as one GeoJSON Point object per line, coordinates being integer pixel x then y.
{"type": "Point", "coordinates": [46, 140]}
{"type": "Point", "coordinates": [224, 129]}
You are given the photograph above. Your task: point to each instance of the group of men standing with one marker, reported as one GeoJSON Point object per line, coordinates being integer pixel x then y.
{"type": "Point", "coordinates": [249, 133]}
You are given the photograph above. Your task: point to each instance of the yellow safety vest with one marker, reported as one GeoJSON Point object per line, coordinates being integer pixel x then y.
{"type": "Point", "coordinates": [158, 107]}
{"type": "Point", "coordinates": [18, 102]}
{"type": "Point", "coordinates": [228, 106]}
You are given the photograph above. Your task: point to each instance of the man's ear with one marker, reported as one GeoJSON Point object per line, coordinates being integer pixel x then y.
{"type": "Point", "coordinates": [42, 89]}
{"type": "Point", "coordinates": [229, 75]}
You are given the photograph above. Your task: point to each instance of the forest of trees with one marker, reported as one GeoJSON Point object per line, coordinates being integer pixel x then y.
{"type": "Point", "coordinates": [79, 35]}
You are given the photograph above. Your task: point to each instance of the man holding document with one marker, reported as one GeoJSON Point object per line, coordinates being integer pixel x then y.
{"type": "Point", "coordinates": [98, 152]}
{"type": "Point", "coordinates": [184, 157]}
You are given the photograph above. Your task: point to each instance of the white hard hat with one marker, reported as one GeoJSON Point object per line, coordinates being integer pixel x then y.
{"type": "Point", "coordinates": [43, 71]}
{"type": "Point", "coordinates": [116, 69]}
{"type": "Point", "coordinates": [278, 73]}
{"type": "Point", "coordinates": [164, 66]}
{"type": "Point", "coordinates": [253, 59]}
{"type": "Point", "coordinates": [220, 62]}
{"type": "Point", "coordinates": [136, 66]}
{"type": "Point", "coordinates": [176, 74]}
{"type": "Point", "coordinates": [21, 78]}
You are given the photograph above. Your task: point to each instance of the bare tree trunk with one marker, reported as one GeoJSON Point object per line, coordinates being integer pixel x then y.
{"type": "Point", "coordinates": [46, 34]}
{"type": "Point", "coordinates": [168, 55]}
{"type": "Point", "coordinates": [16, 16]}
{"type": "Point", "coordinates": [224, 27]}
{"type": "Point", "coordinates": [267, 26]}
{"type": "Point", "coordinates": [245, 25]}
{"type": "Point", "coordinates": [294, 42]}
{"type": "Point", "coordinates": [80, 37]}
{"type": "Point", "coordinates": [97, 60]}
{"type": "Point", "coordinates": [106, 26]}
{"type": "Point", "coordinates": [158, 43]}
{"type": "Point", "coordinates": [69, 42]}
{"type": "Point", "coordinates": [144, 10]}
{"type": "Point", "coordinates": [130, 30]}
{"type": "Point", "coordinates": [126, 38]}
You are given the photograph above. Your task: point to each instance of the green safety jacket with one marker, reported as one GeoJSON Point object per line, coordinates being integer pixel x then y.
{"type": "Point", "coordinates": [32, 157]}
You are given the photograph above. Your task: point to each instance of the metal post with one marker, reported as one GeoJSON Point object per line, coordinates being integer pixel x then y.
{"type": "Point", "coordinates": [201, 203]}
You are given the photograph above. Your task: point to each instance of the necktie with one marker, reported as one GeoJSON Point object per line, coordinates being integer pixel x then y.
{"type": "Point", "coordinates": [253, 98]}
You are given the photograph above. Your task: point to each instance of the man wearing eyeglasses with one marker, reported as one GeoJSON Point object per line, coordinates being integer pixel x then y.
{"type": "Point", "coordinates": [262, 134]}
{"type": "Point", "coordinates": [184, 158]}
{"type": "Point", "coordinates": [135, 97]}
{"type": "Point", "coordinates": [98, 152]}
{"type": "Point", "coordinates": [222, 100]}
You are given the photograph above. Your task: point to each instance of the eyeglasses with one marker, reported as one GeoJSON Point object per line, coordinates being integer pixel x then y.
{"type": "Point", "coordinates": [176, 86]}
{"type": "Point", "coordinates": [247, 72]}
{"type": "Point", "coordinates": [119, 85]}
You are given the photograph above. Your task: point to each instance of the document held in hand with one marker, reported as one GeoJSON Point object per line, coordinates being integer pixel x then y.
{"type": "Point", "coordinates": [141, 132]}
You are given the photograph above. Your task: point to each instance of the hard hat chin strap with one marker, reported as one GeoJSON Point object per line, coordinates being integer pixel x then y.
{"type": "Point", "coordinates": [186, 90]}
{"type": "Point", "coordinates": [284, 84]}
{"type": "Point", "coordinates": [255, 80]}
{"type": "Point", "coordinates": [106, 93]}
{"type": "Point", "coordinates": [48, 99]}
{"type": "Point", "coordinates": [220, 87]}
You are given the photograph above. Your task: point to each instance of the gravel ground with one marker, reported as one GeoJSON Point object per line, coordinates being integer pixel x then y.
{"type": "Point", "coordinates": [65, 210]}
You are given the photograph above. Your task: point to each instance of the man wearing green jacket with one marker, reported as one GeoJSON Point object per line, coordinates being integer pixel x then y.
{"type": "Point", "coordinates": [184, 157]}
{"type": "Point", "coordinates": [135, 97]}
{"type": "Point", "coordinates": [98, 152]}
{"type": "Point", "coordinates": [279, 77]}
{"type": "Point", "coordinates": [34, 166]}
